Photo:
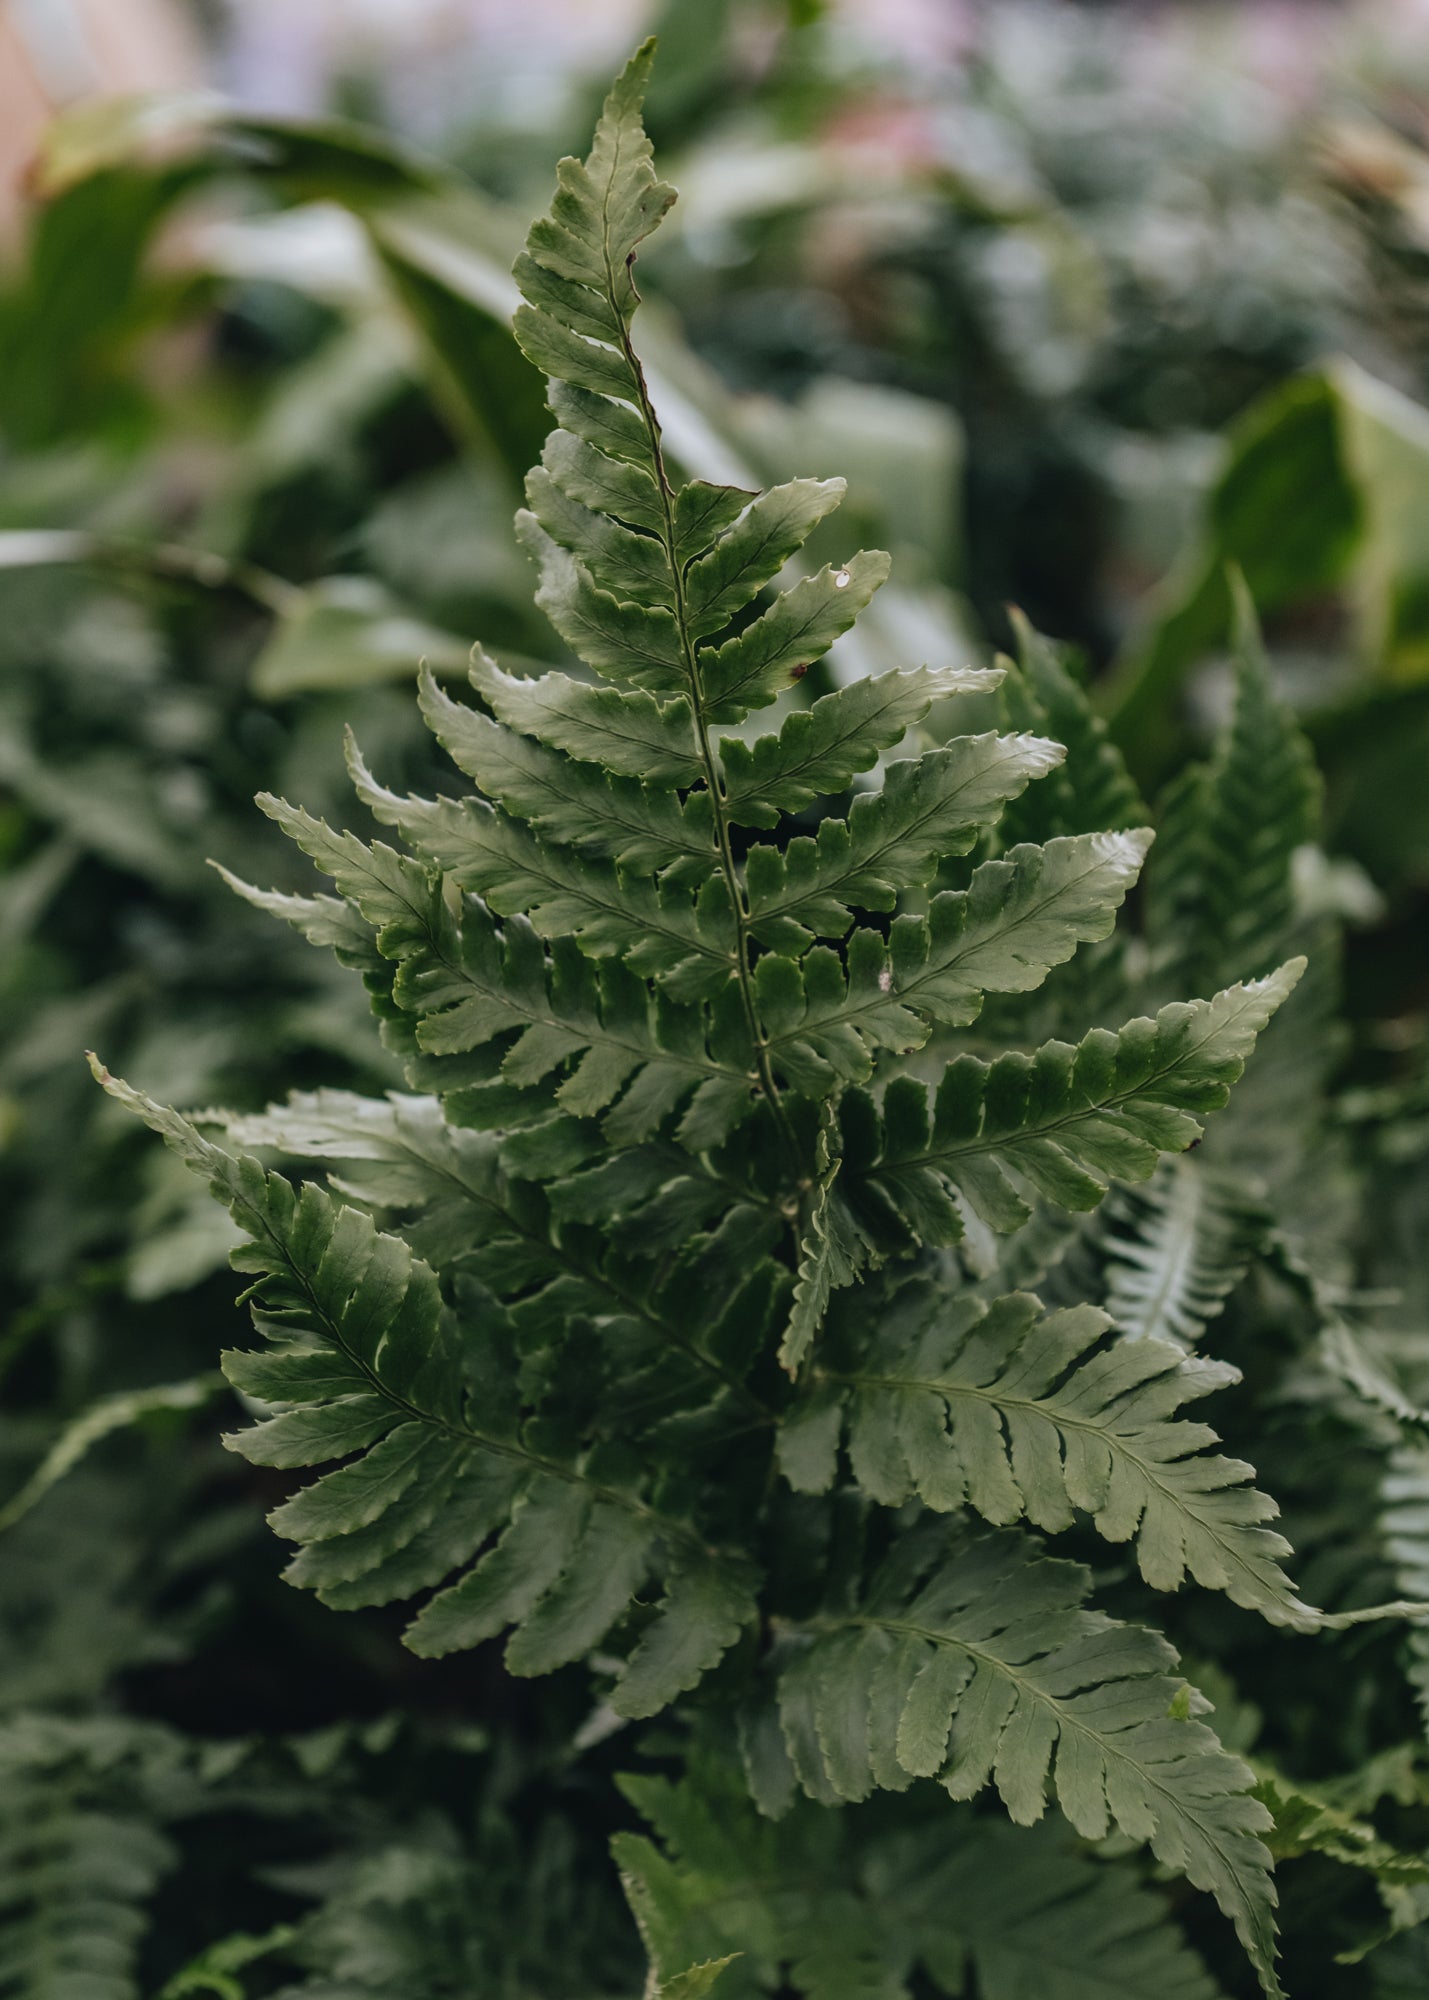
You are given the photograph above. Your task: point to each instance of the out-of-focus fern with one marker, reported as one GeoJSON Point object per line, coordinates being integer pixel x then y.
{"type": "Point", "coordinates": [83, 1806]}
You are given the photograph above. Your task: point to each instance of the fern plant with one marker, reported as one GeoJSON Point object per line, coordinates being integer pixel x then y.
{"type": "Point", "coordinates": [656, 1329]}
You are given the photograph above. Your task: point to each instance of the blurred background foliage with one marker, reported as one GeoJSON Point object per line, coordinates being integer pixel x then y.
{"type": "Point", "coordinates": [1087, 303]}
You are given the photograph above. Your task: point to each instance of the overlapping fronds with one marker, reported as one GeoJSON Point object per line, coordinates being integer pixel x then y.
{"type": "Point", "coordinates": [1175, 1250]}
{"type": "Point", "coordinates": [1059, 1124]}
{"type": "Point", "coordinates": [833, 1905]}
{"type": "Point", "coordinates": [366, 1364]}
{"type": "Point", "coordinates": [973, 1661]}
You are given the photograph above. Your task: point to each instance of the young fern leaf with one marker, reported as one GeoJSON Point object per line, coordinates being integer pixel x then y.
{"type": "Point", "coordinates": [1022, 1415]}
{"type": "Point", "coordinates": [974, 1662]}
{"type": "Point", "coordinates": [366, 1364]}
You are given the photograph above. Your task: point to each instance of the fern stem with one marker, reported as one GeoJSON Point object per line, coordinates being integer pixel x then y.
{"type": "Point", "coordinates": [708, 761]}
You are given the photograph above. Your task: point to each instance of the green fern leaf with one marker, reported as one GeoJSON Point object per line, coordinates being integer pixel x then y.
{"type": "Point", "coordinates": [1018, 917]}
{"type": "Point", "coordinates": [983, 1671]}
{"type": "Point", "coordinates": [754, 548]}
{"type": "Point", "coordinates": [631, 734]}
{"type": "Point", "coordinates": [1092, 788]}
{"type": "Point", "coordinates": [817, 751]}
{"type": "Point", "coordinates": [365, 1363]}
{"type": "Point", "coordinates": [892, 840]}
{"type": "Point", "coordinates": [576, 804]}
{"type": "Point", "coordinates": [1220, 899]}
{"type": "Point", "coordinates": [85, 1808]}
{"type": "Point", "coordinates": [1176, 1250]}
{"type": "Point", "coordinates": [1062, 1122]}
{"type": "Point", "coordinates": [1022, 1415]}
{"type": "Point", "coordinates": [831, 1905]}
{"type": "Point", "coordinates": [689, 945]}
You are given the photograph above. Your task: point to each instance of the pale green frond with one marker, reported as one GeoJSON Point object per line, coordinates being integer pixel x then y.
{"type": "Point", "coordinates": [323, 920]}
{"type": "Point", "coordinates": [122, 1411]}
{"type": "Point", "coordinates": [753, 549]}
{"type": "Point", "coordinates": [687, 944]}
{"type": "Point", "coordinates": [1019, 916]}
{"type": "Point", "coordinates": [87, 1807]}
{"type": "Point", "coordinates": [366, 1364]}
{"type": "Point", "coordinates": [608, 1045]}
{"type": "Point", "coordinates": [1404, 1524]}
{"type": "Point", "coordinates": [631, 734]}
{"type": "Point", "coordinates": [1092, 788]}
{"type": "Point", "coordinates": [757, 666]}
{"type": "Point", "coordinates": [629, 643]}
{"type": "Point", "coordinates": [575, 803]}
{"type": "Point", "coordinates": [1176, 1249]}
{"type": "Point", "coordinates": [832, 1252]}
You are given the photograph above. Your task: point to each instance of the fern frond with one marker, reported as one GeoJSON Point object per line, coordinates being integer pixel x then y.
{"type": "Point", "coordinates": [1306, 1822]}
{"type": "Point", "coordinates": [817, 751]}
{"type": "Point", "coordinates": [85, 1807]}
{"type": "Point", "coordinates": [833, 1906]}
{"type": "Point", "coordinates": [689, 945]}
{"type": "Point", "coordinates": [892, 840]}
{"type": "Point", "coordinates": [1025, 1415]}
{"type": "Point", "coordinates": [367, 1364]}
{"type": "Point", "coordinates": [1018, 916]}
{"type": "Point", "coordinates": [468, 981]}
{"type": "Point", "coordinates": [1220, 898]}
{"type": "Point", "coordinates": [1061, 1123]}
{"type": "Point", "coordinates": [602, 490]}
{"type": "Point", "coordinates": [631, 734]}
{"type": "Point", "coordinates": [1092, 787]}
{"type": "Point", "coordinates": [1405, 1526]}
{"type": "Point", "coordinates": [980, 1671]}
{"type": "Point", "coordinates": [1175, 1250]}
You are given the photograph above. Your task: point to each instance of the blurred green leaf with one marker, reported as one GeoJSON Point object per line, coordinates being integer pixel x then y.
{"type": "Point", "coordinates": [1325, 488]}
{"type": "Point", "coordinates": [346, 632]}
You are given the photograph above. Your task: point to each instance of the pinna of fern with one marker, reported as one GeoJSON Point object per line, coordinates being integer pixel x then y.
{"type": "Point", "coordinates": [650, 1278]}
